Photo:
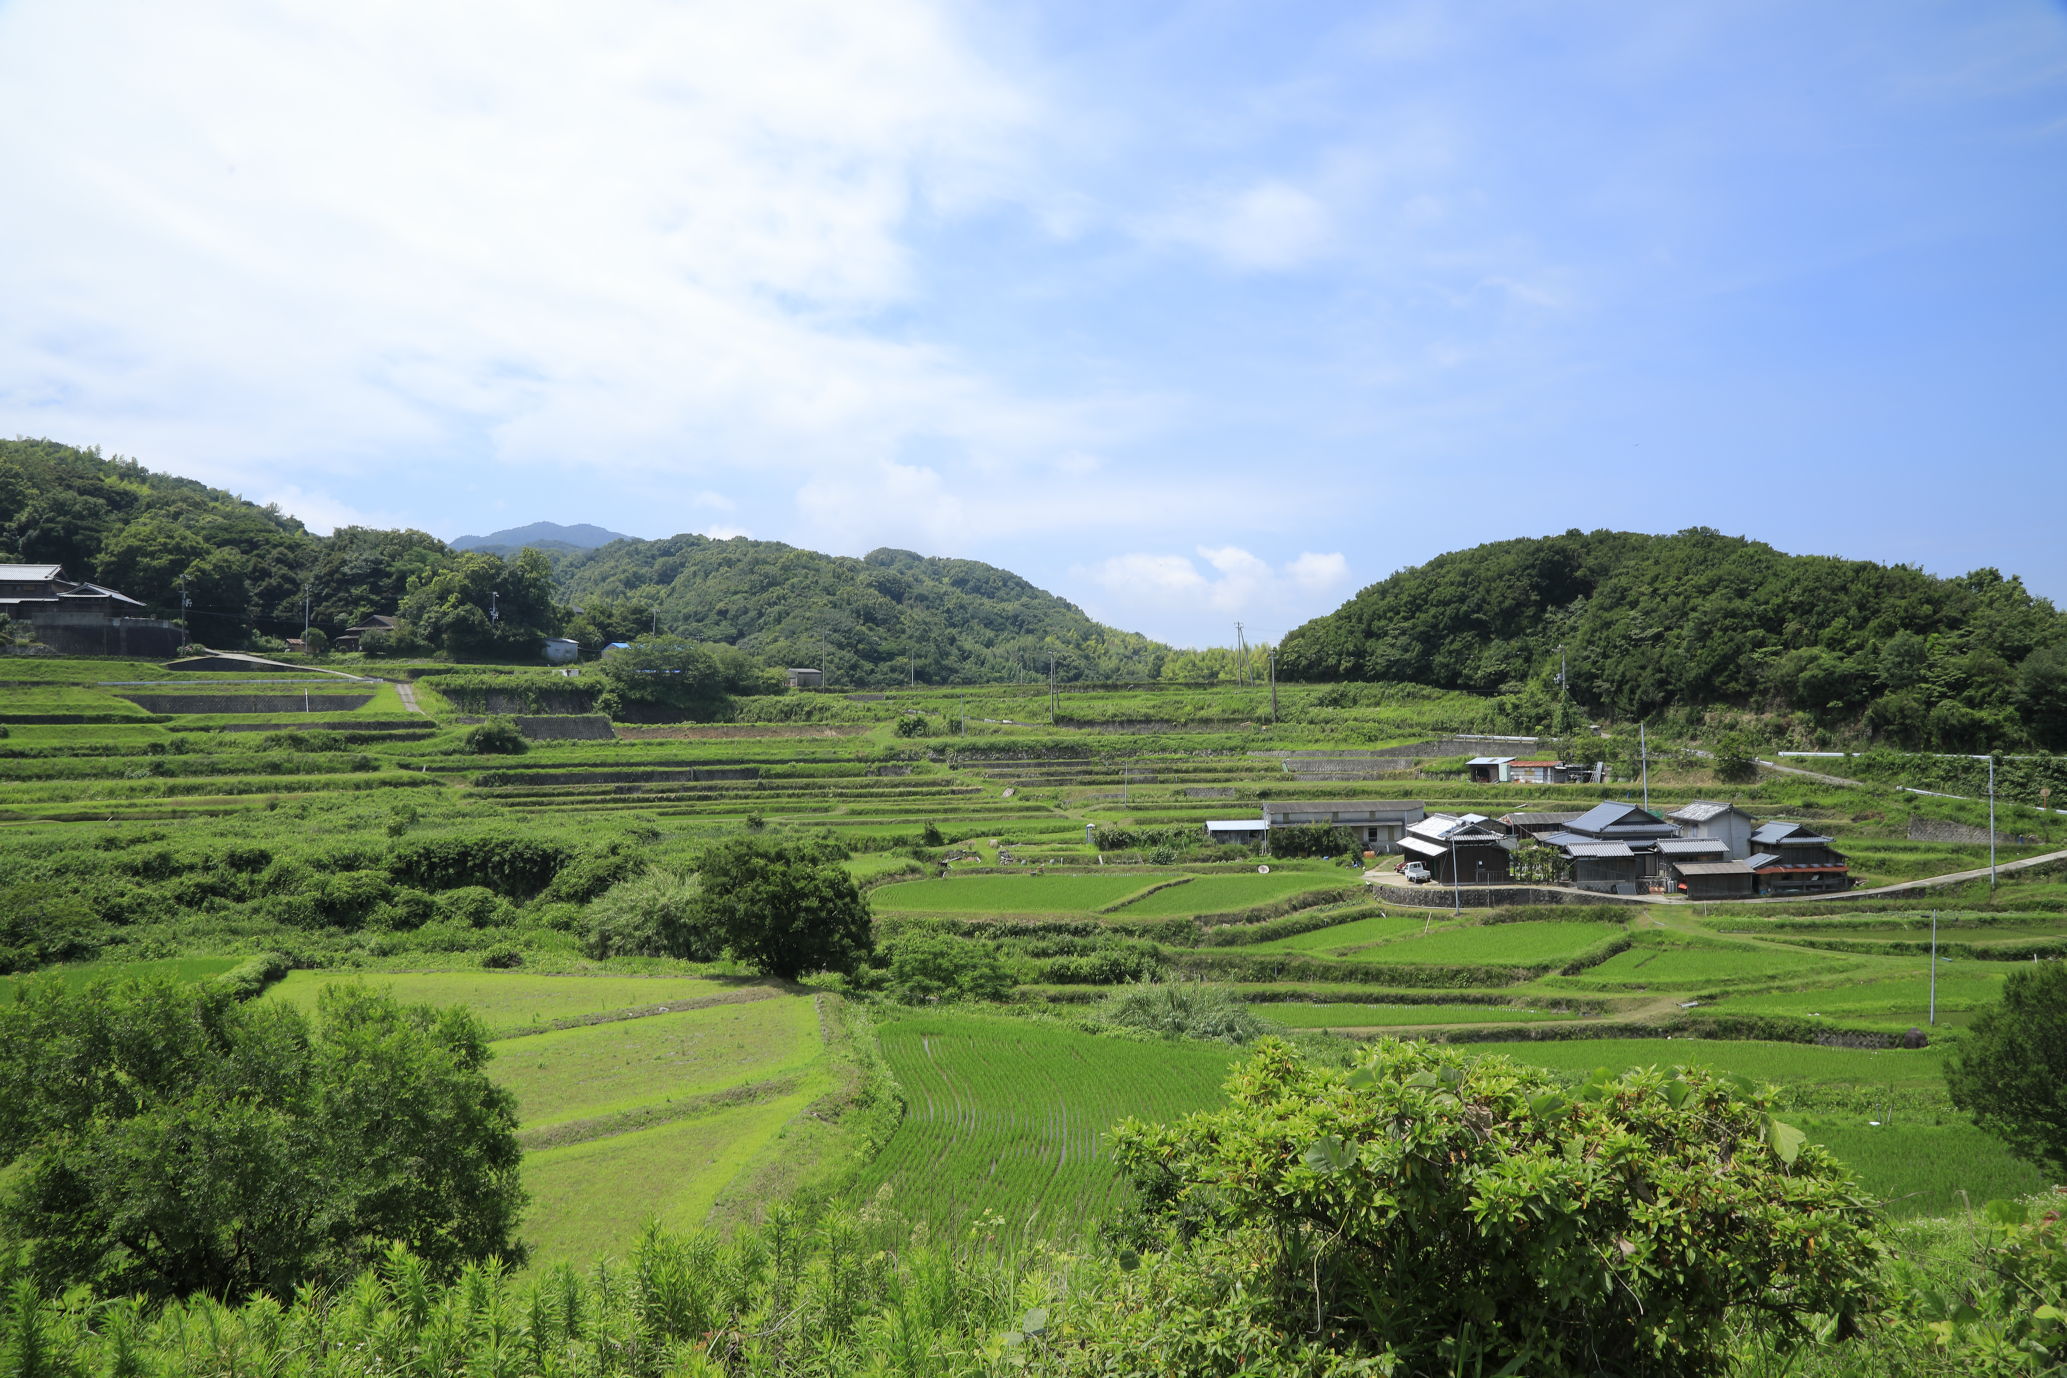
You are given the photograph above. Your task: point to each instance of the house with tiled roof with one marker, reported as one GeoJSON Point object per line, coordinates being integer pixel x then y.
{"type": "Point", "coordinates": [1793, 859]}
{"type": "Point", "coordinates": [1726, 823]}
{"type": "Point", "coordinates": [81, 618]}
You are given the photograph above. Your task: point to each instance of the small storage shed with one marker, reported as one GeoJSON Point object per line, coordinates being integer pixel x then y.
{"type": "Point", "coordinates": [1612, 868]}
{"type": "Point", "coordinates": [1711, 880]}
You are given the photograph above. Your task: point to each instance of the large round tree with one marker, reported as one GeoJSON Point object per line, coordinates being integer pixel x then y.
{"type": "Point", "coordinates": [787, 915]}
{"type": "Point", "coordinates": [2010, 1071]}
{"type": "Point", "coordinates": [165, 1139]}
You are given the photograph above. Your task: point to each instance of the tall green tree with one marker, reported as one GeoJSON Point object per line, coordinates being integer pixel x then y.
{"type": "Point", "coordinates": [167, 1139]}
{"type": "Point", "coordinates": [2010, 1071]}
{"type": "Point", "coordinates": [787, 915]}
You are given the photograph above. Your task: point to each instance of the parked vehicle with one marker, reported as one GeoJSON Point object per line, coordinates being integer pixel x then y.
{"type": "Point", "coordinates": [1416, 872]}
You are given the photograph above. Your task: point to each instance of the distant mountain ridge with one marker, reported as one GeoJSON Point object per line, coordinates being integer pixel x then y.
{"type": "Point", "coordinates": [543, 535]}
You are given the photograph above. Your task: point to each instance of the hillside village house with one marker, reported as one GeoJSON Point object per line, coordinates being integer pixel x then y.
{"type": "Point", "coordinates": [74, 617]}
{"type": "Point", "coordinates": [1792, 858]}
{"type": "Point", "coordinates": [1513, 770]}
{"type": "Point", "coordinates": [349, 638]}
{"type": "Point", "coordinates": [1377, 823]}
{"type": "Point", "coordinates": [1536, 825]}
{"type": "Point", "coordinates": [1468, 849]}
{"type": "Point", "coordinates": [1725, 823]}
{"type": "Point", "coordinates": [1710, 879]}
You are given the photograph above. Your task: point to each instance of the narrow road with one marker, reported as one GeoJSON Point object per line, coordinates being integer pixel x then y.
{"type": "Point", "coordinates": [407, 693]}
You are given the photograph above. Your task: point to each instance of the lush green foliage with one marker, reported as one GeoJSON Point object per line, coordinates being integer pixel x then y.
{"type": "Point", "coordinates": [651, 915]}
{"type": "Point", "coordinates": [785, 914]}
{"type": "Point", "coordinates": [1648, 622]}
{"type": "Point", "coordinates": [1183, 1009]}
{"type": "Point", "coordinates": [495, 737]}
{"type": "Point", "coordinates": [168, 1139]}
{"type": "Point", "coordinates": [924, 967]}
{"type": "Point", "coordinates": [2011, 1070]}
{"type": "Point", "coordinates": [1460, 1214]}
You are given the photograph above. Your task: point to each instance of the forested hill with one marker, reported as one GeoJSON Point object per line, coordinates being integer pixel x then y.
{"type": "Point", "coordinates": [878, 620]}
{"type": "Point", "coordinates": [245, 569]}
{"type": "Point", "coordinates": [1696, 619]}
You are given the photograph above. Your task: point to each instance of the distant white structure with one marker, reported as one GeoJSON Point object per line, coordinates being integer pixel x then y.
{"type": "Point", "coordinates": [799, 678]}
{"type": "Point", "coordinates": [561, 650]}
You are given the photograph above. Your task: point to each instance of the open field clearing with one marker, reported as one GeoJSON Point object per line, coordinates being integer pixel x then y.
{"type": "Point", "coordinates": [512, 1003]}
{"type": "Point", "coordinates": [589, 1200]}
{"type": "Point", "coordinates": [1027, 894]}
{"type": "Point", "coordinates": [1228, 894]}
{"type": "Point", "coordinates": [1009, 1116]}
{"type": "Point", "coordinates": [1495, 944]}
{"type": "Point", "coordinates": [1360, 1015]}
{"type": "Point", "coordinates": [606, 1069]}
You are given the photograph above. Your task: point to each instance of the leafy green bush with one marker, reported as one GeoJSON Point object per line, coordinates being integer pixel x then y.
{"type": "Point", "coordinates": [502, 957]}
{"type": "Point", "coordinates": [1448, 1214]}
{"type": "Point", "coordinates": [650, 915]}
{"type": "Point", "coordinates": [922, 967]}
{"type": "Point", "coordinates": [2010, 1072]}
{"type": "Point", "coordinates": [495, 737]}
{"type": "Point", "coordinates": [783, 910]}
{"type": "Point", "coordinates": [518, 867]}
{"type": "Point", "coordinates": [476, 906]}
{"type": "Point", "coordinates": [1184, 1009]}
{"type": "Point", "coordinates": [1110, 962]}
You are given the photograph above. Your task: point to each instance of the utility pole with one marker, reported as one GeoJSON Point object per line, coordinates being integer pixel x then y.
{"type": "Point", "coordinates": [304, 614]}
{"type": "Point", "coordinates": [1643, 746]}
{"type": "Point", "coordinates": [1241, 657]}
{"type": "Point", "coordinates": [1456, 876]}
{"type": "Point", "coordinates": [1991, 822]}
{"type": "Point", "coordinates": [1934, 966]}
{"type": "Point", "coordinates": [1273, 686]}
{"type": "Point", "coordinates": [656, 621]}
{"type": "Point", "coordinates": [1051, 688]}
{"type": "Point", "coordinates": [494, 611]}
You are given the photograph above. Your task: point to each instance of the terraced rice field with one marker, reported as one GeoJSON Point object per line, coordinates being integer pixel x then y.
{"type": "Point", "coordinates": [1230, 894]}
{"type": "Point", "coordinates": [79, 974]}
{"type": "Point", "coordinates": [1362, 1015]}
{"type": "Point", "coordinates": [1667, 965]}
{"type": "Point", "coordinates": [1891, 1002]}
{"type": "Point", "coordinates": [1341, 936]}
{"type": "Point", "coordinates": [515, 1002]}
{"type": "Point", "coordinates": [1009, 1116]}
{"type": "Point", "coordinates": [1498, 944]}
{"type": "Point", "coordinates": [1028, 894]}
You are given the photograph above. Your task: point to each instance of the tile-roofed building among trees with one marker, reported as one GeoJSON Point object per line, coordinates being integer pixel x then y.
{"type": "Point", "coordinates": [75, 617]}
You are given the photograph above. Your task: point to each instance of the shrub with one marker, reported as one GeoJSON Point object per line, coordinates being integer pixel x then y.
{"type": "Point", "coordinates": [912, 725]}
{"type": "Point", "coordinates": [495, 737]}
{"type": "Point", "coordinates": [783, 911]}
{"type": "Point", "coordinates": [2010, 1072]}
{"type": "Point", "coordinates": [1184, 1009]}
{"type": "Point", "coordinates": [923, 967]}
{"type": "Point", "coordinates": [518, 867]}
{"type": "Point", "coordinates": [39, 927]}
{"type": "Point", "coordinates": [650, 915]}
{"type": "Point", "coordinates": [476, 906]}
{"type": "Point", "coordinates": [1110, 962]}
{"type": "Point", "coordinates": [502, 957]}
{"type": "Point", "coordinates": [1428, 1212]}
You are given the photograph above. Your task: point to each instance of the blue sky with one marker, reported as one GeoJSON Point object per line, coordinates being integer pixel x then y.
{"type": "Point", "coordinates": [1189, 313]}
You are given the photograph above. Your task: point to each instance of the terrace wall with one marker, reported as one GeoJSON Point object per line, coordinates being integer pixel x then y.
{"type": "Point", "coordinates": [249, 703]}
{"type": "Point", "coordinates": [1940, 830]}
{"type": "Point", "coordinates": [1435, 896]}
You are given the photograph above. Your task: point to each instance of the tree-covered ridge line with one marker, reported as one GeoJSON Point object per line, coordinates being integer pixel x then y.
{"type": "Point", "coordinates": [239, 571]}
{"type": "Point", "coordinates": [1648, 623]}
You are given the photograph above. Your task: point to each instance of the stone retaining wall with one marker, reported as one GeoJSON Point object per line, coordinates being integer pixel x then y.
{"type": "Point", "coordinates": [249, 703]}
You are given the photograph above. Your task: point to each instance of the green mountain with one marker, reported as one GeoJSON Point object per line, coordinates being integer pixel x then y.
{"type": "Point", "coordinates": [547, 536]}
{"type": "Point", "coordinates": [1651, 623]}
{"type": "Point", "coordinates": [881, 620]}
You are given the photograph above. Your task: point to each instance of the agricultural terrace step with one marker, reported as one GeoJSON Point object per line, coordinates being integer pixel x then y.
{"type": "Point", "coordinates": [302, 723]}
{"type": "Point", "coordinates": [648, 1116]}
{"type": "Point", "coordinates": [759, 790]}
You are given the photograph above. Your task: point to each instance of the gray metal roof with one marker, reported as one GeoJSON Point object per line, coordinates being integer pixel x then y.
{"type": "Point", "coordinates": [1423, 846]}
{"type": "Point", "coordinates": [1762, 860]}
{"type": "Point", "coordinates": [1489, 760]}
{"type": "Point", "coordinates": [1712, 868]}
{"type": "Point", "coordinates": [1701, 810]}
{"type": "Point", "coordinates": [1609, 814]}
{"type": "Point", "coordinates": [1600, 850]}
{"type": "Point", "coordinates": [27, 574]}
{"type": "Point", "coordinates": [1693, 846]}
{"type": "Point", "coordinates": [1779, 832]}
{"type": "Point", "coordinates": [1536, 820]}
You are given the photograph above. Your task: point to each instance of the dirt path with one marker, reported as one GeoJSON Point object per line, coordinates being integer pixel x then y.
{"type": "Point", "coordinates": [407, 693]}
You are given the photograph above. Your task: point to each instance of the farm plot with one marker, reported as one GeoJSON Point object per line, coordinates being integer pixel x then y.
{"type": "Point", "coordinates": [1671, 965]}
{"type": "Point", "coordinates": [80, 974]}
{"type": "Point", "coordinates": [1010, 1116]}
{"type": "Point", "coordinates": [1228, 894]}
{"type": "Point", "coordinates": [1336, 937]}
{"type": "Point", "coordinates": [589, 1200]}
{"type": "Point", "coordinates": [1010, 894]}
{"type": "Point", "coordinates": [516, 1002]}
{"type": "Point", "coordinates": [607, 1069]}
{"type": "Point", "coordinates": [1891, 1002]}
{"type": "Point", "coordinates": [1363, 1015]}
{"type": "Point", "coordinates": [1530, 943]}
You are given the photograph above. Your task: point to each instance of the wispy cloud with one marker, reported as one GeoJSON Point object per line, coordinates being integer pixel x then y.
{"type": "Point", "coordinates": [1168, 590]}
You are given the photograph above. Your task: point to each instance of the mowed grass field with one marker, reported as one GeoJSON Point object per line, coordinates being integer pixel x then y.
{"type": "Point", "coordinates": [644, 1114]}
{"type": "Point", "coordinates": [1009, 1116]}
{"type": "Point", "coordinates": [1918, 1163]}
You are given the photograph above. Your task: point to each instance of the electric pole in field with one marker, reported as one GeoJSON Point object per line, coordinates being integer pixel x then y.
{"type": "Point", "coordinates": [1241, 657]}
{"type": "Point", "coordinates": [1991, 822]}
{"type": "Point", "coordinates": [1273, 685]}
{"type": "Point", "coordinates": [1643, 747]}
{"type": "Point", "coordinates": [1051, 688]}
{"type": "Point", "coordinates": [304, 615]}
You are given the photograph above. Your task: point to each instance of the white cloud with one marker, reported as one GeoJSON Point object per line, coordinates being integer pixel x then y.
{"type": "Point", "coordinates": [319, 236]}
{"type": "Point", "coordinates": [1170, 596]}
{"type": "Point", "coordinates": [1269, 225]}
{"type": "Point", "coordinates": [726, 533]}
{"type": "Point", "coordinates": [322, 513]}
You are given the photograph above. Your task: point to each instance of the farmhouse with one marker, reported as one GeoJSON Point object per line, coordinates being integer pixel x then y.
{"type": "Point", "coordinates": [1513, 770]}
{"type": "Point", "coordinates": [1468, 848]}
{"type": "Point", "coordinates": [1611, 822]}
{"type": "Point", "coordinates": [1377, 823]}
{"type": "Point", "coordinates": [1791, 858]}
{"type": "Point", "coordinates": [1536, 825]}
{"type": "Point", "coordinates": [1725, 823]}
{"type": "Point", "coordinates": [349, 639]}
{"type": "Point", "coordinates": [73, 617]}
{"type": "Point", "coordinates": [1613, 868]}
{"type": "Point", "coordinates": [1710, 880]}
{"type": "Point", "coordinates": [801, 677]}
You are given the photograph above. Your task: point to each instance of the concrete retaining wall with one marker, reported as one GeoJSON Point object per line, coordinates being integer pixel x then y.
{"type": "Point", "coordinates": [1438, 896]}
{"type": "Point", "coordinates": [1939, 830]}
{"type": "Point", "coordinates": [249, 703]}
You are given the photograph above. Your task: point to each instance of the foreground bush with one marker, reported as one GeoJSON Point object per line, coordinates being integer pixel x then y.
{"type": "Point", "coordinates": [1449, 1214]}
{"type": "Point", "coordinates": [167, 1139]}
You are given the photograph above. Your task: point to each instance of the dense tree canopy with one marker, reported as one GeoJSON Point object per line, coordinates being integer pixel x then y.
{"type": "Point", "coordinates": [2010, 1072]}
{"type": "Point", "coordinates": [787, 914]}
{"type": "Point", "coordinates": [1648, 622]}
{"type": "Point", "coordinates": [166, 1139]}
